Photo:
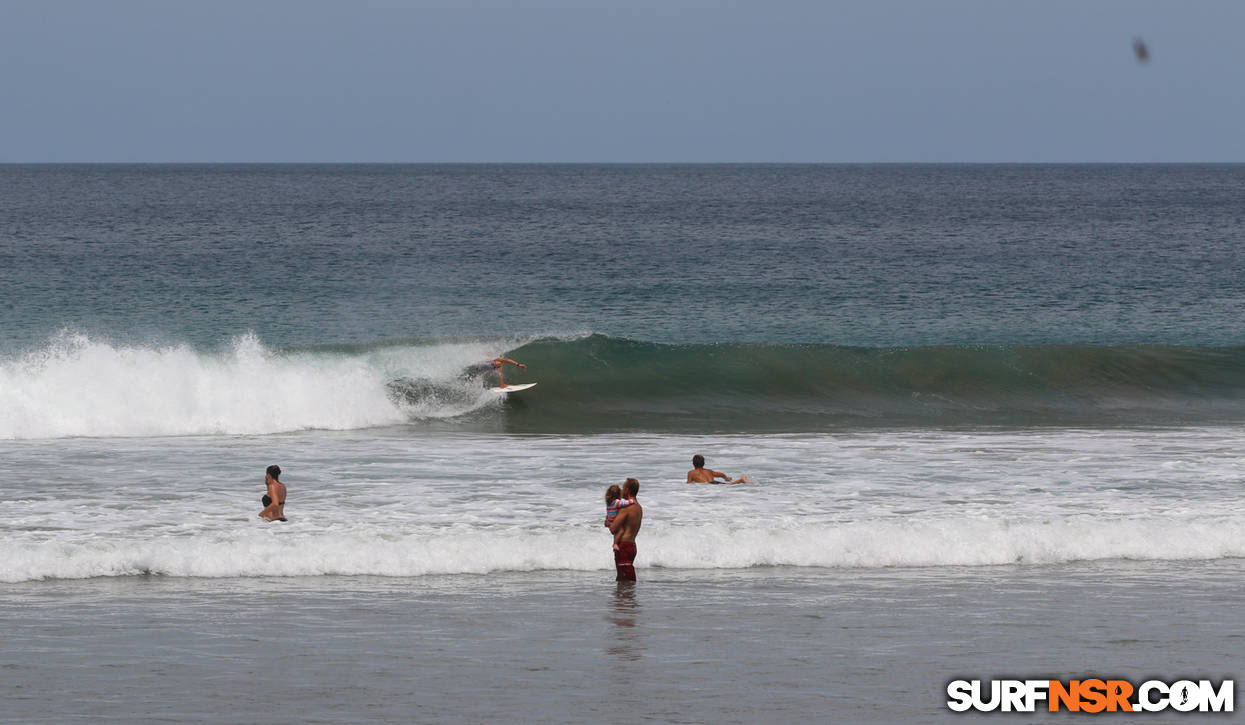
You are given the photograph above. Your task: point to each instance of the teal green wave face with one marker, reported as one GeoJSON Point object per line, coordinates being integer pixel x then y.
{"type": "Point", "coordinates": [605, 383]}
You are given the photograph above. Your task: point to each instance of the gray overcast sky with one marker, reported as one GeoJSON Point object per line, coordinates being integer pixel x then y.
{"type": "Point", "coordinates": [678, 80]}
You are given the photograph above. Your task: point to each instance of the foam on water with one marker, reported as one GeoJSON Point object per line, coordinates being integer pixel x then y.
{"type": "Point", "coordinates": [394, 503]}
{"type": "Point", "coordinates": [246, 550]}
{"type": "Point", "coordinates": [77, 386]}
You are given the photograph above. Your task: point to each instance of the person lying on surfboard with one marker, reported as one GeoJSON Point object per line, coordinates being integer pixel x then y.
{"type": "Point", "coordinates": [497, 364]}
{"type": "Point", "coordinates": [700, 474]}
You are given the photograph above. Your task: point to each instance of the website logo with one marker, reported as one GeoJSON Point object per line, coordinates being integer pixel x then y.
{"type": "Point", "coordinates": [1092, 695]}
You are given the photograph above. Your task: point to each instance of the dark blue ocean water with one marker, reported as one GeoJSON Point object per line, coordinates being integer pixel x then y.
{"type": "Point", "coordinates": [992, 415]}
{"type": "Point", "coordinates": [710, 298]}
{"type": "Point", "coordinates": [875, 255]}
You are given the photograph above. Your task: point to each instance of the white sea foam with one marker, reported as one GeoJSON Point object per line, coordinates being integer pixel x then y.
{"type": "Point", "coordinates": [254, 550]}
{"type": "Point", "coordinates": [76, 386]}
{"type": "Point", "coordinates": [404, 502]}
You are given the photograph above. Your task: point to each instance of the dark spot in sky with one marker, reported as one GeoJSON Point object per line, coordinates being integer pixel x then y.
{"type": "Point", "coordinates": [1139, 47]}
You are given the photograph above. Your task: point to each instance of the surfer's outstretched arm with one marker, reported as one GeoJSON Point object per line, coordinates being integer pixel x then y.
{"type": "Point", "coordinates": [498, 363]}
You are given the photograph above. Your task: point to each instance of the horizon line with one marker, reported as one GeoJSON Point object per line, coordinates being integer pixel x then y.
{"type": "Point", "coordinates": [619, 163]}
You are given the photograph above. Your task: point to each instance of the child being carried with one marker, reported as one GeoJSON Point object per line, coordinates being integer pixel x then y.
{"type": "Point", "coordinates": [614, 502]}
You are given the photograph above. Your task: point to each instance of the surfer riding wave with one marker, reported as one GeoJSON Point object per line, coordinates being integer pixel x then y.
{"type": "Point", "coordinates": [497, 364]}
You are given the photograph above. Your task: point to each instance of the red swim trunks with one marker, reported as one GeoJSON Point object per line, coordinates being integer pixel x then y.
{"type": "Point", "coordinates": [624, 561]}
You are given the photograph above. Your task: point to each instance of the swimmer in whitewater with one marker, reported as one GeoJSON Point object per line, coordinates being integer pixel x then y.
{"type": "Point", "coordinates": [700, 474]}
{"type": "Point", "coordinates": [274, 500]}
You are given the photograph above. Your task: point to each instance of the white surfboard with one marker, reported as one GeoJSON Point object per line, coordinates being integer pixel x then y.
{"type": "Point", "coordinates": [512, 388]}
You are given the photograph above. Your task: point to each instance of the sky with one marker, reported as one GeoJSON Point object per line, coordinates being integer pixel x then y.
{"type": "Point", "coordinates": [635, 81]}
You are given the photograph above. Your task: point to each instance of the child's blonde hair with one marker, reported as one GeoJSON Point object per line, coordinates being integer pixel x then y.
{"type": "Point", "coordinates": [613, 493]}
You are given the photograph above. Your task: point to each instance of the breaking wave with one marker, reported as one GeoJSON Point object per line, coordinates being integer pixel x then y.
{"type": "Point", "coordinates": [76, 386]}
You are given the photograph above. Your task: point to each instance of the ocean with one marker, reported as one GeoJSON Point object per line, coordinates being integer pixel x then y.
{"type": "Point", "coordinates": [992, 416]}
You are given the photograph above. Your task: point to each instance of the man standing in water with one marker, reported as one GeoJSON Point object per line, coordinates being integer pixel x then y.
{"type": "Point", "coordinates": [274, 500]}
{"type": "Point", "coordinates": [624, 527]}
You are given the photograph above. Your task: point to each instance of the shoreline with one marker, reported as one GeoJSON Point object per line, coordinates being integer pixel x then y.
{"type": "Point", "coordinates": [467, 647]}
